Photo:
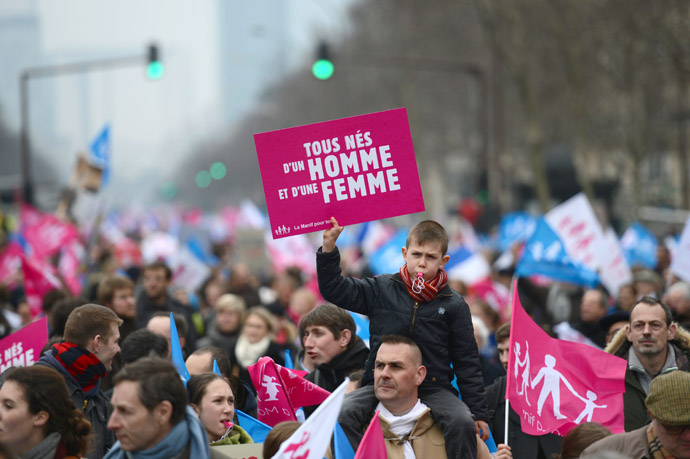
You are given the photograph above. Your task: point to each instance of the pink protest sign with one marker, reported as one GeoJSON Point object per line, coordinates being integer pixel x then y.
{"type": "Point", "coordinates": [23, 347]}
{"type": "Point", "coordinates": [355, 169]}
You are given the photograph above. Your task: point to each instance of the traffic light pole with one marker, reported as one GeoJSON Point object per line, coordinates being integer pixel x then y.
{"type": "Point", "coordinates": [49, 71]}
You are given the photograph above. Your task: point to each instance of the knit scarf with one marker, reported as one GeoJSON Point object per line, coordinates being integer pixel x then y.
{"type": "Point", "coordinates": [84, 367]}
{"type": "Point", "coordinates": [249, 353]}
{"type": "Point", "coordinates": [430, 289]}
{"type": "Point", "coordinates": [656, 449]}
{"type": "Point", "coordinates": [187, 433]}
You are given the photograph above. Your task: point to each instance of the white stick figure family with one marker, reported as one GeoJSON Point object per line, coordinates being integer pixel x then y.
{"type": "Point", "coordinates": [551, 385]}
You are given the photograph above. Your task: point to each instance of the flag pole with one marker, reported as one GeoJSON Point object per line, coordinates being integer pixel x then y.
{"type": "Point", "coordinates": [513, 286]}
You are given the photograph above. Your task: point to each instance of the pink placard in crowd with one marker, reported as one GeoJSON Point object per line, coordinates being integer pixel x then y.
{"type": "Point", "coordinates": [355, 169]}
{"type": "Point", "coordinates": [23, 347]}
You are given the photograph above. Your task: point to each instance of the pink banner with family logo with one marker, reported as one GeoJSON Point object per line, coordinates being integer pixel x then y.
{"type": "Point", "coordinates": [280, 391]}
{"type": "Point", "coordinates": [356, 169]}
{"type": "Point", "coordinates": [554, 385]}
{"type": "Point", "coordinates": [23, 347]}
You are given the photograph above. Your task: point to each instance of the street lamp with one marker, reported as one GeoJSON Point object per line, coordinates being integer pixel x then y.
{"type": "Point", "coordinates": [154, 71]}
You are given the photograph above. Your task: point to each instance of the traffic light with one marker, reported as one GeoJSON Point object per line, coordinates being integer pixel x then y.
{"type": "Point", "coordinates": [155, 69]}
{"type": "Point", "coordinates": [323, 66]}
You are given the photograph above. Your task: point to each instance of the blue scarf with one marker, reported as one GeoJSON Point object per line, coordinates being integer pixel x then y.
{"type": "Point", "coordinates": [188, 430]}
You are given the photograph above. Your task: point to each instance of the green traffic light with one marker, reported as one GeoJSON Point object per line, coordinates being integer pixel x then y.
{"type": "Point", "coordinates": [169, 190]}
{"type": "Point", "coordinates": [155, 70]}
{"type": "Point", "coordinates": [203, 179]}
{"type": "Point", "coordinates": [218, 170]}
{"type": "Point", "coordinates": [323, 69]}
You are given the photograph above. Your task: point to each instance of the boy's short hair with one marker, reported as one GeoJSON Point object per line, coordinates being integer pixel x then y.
{"type": "Point", "coordinates": [109, 285]}
{"type": "Point", "coordinates": [428, 231]}
{"type": "Point", "coordinates": [332, 317]}
{"type": "Point", "coordinates": [158, 381]}
{"type": "Point", "coordinates": [503, 332]}
{"type": "Point", "coordinates": [143, 343]}
{"type": "Point", "coordinates": [87, 321]}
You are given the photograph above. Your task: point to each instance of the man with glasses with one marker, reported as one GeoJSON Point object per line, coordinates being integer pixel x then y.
{"type": "Point", "coordinates": [653, 345]}
{"type": "Point", "coordinates": [668, 434]}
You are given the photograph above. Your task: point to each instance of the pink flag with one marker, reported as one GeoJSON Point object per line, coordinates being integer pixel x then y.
{"type": "Point", "coordinates": [10, 263]}
{"type": "Point", "coordinates": [280, 391]}
{"type": "Point", "coordinates": [39, 279]}
{"type": "Point", "coordinates": [301, 391]}
{"type": "Point", "coordinates": [554, 385]}
{"type": "Point", "coordinates": [46, 234]}
{"type": "Point", "coordinates": [70, 261]}
{"type": "Point", "coordinates": [372, 445]}
{"type": "Point", "coordinates": [29, 215]}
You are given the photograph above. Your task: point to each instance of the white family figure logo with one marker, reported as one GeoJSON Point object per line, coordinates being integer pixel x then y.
{"type": "Point", "coordinates": [525, 371]}
{"type": "Point", "coordinates": [271, 388]}
{"type": "Point", "coordinates": [551, 379]}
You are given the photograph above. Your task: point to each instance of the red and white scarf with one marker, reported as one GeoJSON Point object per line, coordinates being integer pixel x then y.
{"type": "Point", "coordinates": [430, 289]}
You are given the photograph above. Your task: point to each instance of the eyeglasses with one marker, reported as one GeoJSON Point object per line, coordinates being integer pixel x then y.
{"type": "Point", "coordinates": [675, 430]}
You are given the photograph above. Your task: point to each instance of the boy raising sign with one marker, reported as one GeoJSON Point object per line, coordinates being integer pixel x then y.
{"type": "Point", "coordinates": [415, 302]}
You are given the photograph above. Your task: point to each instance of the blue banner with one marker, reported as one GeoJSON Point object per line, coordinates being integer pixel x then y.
{"type": "Point", "coordinates": [255, 428]}
{"type": "Point", "coordinates": [545, 254]}
{"type": "Point", "coordinates": [176, 352]}
{"type": "Point", "coordinates": [388, 258]}
{"type": "Point", "coordinates": [515, 227]}
{"type": "Point", "coordinates": [99, 153]}
{"type": "Point", "coordinates": [362, 323]}
{"type": "Point", "coordinates": [639, 246]}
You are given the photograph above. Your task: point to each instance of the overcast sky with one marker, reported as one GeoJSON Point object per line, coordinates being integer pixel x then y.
{"type": "Point", "coordinates": [219, 55]}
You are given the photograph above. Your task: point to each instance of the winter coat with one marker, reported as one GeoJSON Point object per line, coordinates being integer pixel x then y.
{"type": "Point", "coordinates": [426, 439]}
{"type": "Point", "coordinates": [95, 409]}
{"type": "Point", "coordinates": [442, 328]}
{"type": "Point", "coordinates": [237, 436]}
{"type": "Point", "coordinates": [224, 341]}
{"type": "Point", "coordinates": [330, 375]}
{"type": "Point", "coordinates": [634, 398]}
{"type": "Point", "coordinates": [523, 446]}
{"type": "Point", "coordinates": [630, 444]}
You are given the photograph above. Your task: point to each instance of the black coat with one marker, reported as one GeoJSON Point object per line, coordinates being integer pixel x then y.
{"type": "Point", "coordinates": [523, 446]}
{"type": "Point", "coordinates": [332, 374]}
{"type": "Point", "coordinates": [442, 328]}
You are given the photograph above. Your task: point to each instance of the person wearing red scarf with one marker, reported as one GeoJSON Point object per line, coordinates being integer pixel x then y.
{"type": "Point", "coordinates": [83, 358]}
{"type": "Point", "coordinates": [415, 302]}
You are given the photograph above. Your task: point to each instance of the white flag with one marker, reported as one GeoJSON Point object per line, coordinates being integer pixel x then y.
{"type": "Point", "coordinates": [680, 262]}
{"type": "Point", "coordinates": [311, 440]}
{"type": "Point", "coordinates": [615, 271]}
{"type": "Point", "coordinates": [577, 226]}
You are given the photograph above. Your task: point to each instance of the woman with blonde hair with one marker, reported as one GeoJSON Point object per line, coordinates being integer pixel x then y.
{"type": "Point", "coordinates": [224, 328]}
{"type": "Point", "coordinates": [256, 341]}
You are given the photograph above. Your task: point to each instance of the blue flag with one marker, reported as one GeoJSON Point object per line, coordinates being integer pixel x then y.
{"type": "Point", "coordinates": [362, 323]}
{"type": "Point", "coordinates": [342, 447]}
{"type": "Point", "coordinates": [176, 352]}
{"type": "Point", "coordinates": [515, 227]}
{"type": "Point", "coordinates": [216, 370]}
{"type": "Point", "coordinates": [639, 246]}
{"type": "Point", "coordinates": [99, 153]}
{"type": "Point", "coordinates": [388, 258]}
{"type": "Point", "coordinates": [255, 428]}
{"type": "Point", "coordinates": [545, 254]}
{"type": "Point", "coordinates": [288, 360]}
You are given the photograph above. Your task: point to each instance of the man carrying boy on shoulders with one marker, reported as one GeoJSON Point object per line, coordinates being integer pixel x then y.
{"type": "Point", "coordinates": [416, 302]}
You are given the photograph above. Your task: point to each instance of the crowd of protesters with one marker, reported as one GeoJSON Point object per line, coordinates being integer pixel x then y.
{"type": "Point", "coordinates": [111, 345]}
